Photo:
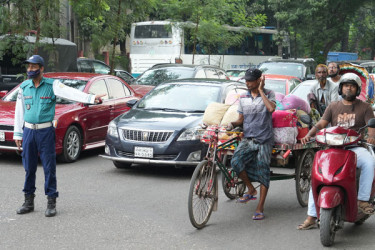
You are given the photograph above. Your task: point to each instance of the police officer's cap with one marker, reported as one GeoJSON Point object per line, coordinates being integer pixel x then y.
{"type": "Point", "coordinates": [37, 59]}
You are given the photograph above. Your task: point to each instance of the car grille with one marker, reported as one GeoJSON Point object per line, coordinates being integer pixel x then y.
{"type": "Point", "coordinates": [156, 157]}
{"type": "Point", "coordinates": [6, 128]}
{"type": "Point", "coordinates": [8, 143]}
{"type": "Point", "coordinates": [146, 135]}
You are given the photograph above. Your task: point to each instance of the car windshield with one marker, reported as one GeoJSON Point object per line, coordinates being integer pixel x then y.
{"type": "Point", "coordinates": [77, 84]}
{"type": "Point", "coordinates": [289, 69]}
{"type": "Point", "coordinates": [276, 85]}
{"type": "Point", "coordinates": [180, 97]}
{"type": "Point", "coordinates": [156, 76]}
{"type": "Point", "coordinates": [302, 91]}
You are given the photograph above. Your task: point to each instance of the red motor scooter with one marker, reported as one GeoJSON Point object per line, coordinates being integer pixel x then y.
{"type": "Point", "coordinates": [334, 180]}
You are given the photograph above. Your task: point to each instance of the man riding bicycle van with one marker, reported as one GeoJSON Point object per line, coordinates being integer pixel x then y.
{"type": "Point", "coordinates": [252, 157]}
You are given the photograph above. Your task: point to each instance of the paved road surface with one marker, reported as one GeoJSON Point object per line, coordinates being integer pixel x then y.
{"type": "Point", "coordinates": [101, 207]}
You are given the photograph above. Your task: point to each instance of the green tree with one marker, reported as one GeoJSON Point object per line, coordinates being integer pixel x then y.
{"type": "Point", "coordinates": [104, 21]}
{"type": "Point", "coordinates": [361, 37]}
{"type": "Point", "coordinates": [22, 17]}
{"type": "Point", "coordinates": [315, 25]}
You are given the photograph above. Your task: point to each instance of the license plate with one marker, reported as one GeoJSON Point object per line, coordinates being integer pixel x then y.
{"type": "Point", "coordinates": [2, 136]}
{"type": "Point", "coordinates": [143, 152]}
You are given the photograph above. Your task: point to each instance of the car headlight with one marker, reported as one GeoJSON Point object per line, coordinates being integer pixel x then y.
{"type": "Point", "coordinates": [112, 129]}
{"type": "Point", "coordinates": [191, 134]}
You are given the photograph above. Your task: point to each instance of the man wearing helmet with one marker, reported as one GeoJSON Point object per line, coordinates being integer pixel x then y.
{"type": "Point", "coordinates": [350, 112]}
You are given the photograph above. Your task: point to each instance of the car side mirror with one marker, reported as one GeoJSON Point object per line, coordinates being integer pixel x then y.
{"type": "Point", "coordinates": [131, 103]}
{"type": "Point", "coordinates": [310, 77]}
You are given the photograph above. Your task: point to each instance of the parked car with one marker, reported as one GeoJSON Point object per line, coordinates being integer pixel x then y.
{"type": "Point", "coordinates": [100, 67]}
{"type": "Point", "coordinates": [160, 73]}
{"type": "Point", "coordinates": [163, 127]}
{"type": "Point", "coordinates": [279, 83]}
{"type": "Point", "coordinates": [303, 68]}
{"type": "Point", "coordinates": [78, 126]}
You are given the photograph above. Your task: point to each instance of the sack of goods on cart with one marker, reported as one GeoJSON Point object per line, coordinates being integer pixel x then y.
{"type": "Point", "coordinates": [219, 115]}
{"type": "Point", "coordinates": [286, 120]}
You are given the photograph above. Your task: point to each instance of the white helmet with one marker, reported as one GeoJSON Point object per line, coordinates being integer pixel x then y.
{"type": "Point", "coordinates": [350, 78]}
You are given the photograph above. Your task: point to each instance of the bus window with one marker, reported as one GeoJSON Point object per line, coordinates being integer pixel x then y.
{"type": "Point", "coordinates": [153, 31]}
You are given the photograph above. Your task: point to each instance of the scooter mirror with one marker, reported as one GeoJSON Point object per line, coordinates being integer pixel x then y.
{"type": "Point", "coordinates": [371, 123]}
{"type": "Point", "coordinates": [306, 119]}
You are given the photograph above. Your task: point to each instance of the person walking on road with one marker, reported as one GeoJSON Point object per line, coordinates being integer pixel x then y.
{"type": "Point", "coordinates": [34, 131]}
{"type": "Point", "coordinates": [252, 157]}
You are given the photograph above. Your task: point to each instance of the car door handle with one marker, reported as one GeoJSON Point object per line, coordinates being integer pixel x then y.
{"type": "Point", "coordinates": [111, 107]}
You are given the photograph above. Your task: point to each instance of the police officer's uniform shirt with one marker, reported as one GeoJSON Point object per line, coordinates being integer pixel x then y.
{"type": "Point", "coordinates": [37, 105]}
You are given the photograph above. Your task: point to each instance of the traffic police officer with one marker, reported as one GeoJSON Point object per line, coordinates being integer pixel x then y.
{"type": "Point", "coordinates": [33, 129]}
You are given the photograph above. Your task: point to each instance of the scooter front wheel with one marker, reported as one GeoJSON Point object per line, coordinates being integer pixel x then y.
{"type": "Point", "coordinates": [327, 226]}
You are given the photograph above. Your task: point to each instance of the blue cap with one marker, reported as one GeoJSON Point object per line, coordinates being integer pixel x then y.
{"type": "Point", "coordinates": [37, 59]}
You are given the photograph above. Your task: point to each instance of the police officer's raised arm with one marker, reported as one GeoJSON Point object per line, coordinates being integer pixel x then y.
{"type": "Point", "coordinates": [18, 119]}
{"type": "Point", "coordinates": [73, 94]}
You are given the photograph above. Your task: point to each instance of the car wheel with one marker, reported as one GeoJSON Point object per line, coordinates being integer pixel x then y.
{"type": "Point", "coordinates": [72, 145]}
{"type": "Point", "coordinates": [122, 165]}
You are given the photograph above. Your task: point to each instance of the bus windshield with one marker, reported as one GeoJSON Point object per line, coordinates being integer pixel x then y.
{"type": "Point", "coordinates": [152, 31]}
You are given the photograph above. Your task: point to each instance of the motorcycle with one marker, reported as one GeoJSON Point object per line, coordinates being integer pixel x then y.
{"type": "Point", "coordinates": [335, 178]}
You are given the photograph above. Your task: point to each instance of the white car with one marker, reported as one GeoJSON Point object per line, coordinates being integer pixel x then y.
{"type": "Point", "coordinates": [303, 89]}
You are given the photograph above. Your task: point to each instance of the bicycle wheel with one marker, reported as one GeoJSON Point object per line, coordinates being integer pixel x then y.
{"type": "Point", "coordinates": [303, 176]}
{"type": "Point", "coordinates": [235, 189]}
{"type": "Point", "coordinates": [202, 193]}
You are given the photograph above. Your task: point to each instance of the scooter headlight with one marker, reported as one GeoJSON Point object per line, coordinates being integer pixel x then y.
{"type": "Point", "coordinates": [335, 139]}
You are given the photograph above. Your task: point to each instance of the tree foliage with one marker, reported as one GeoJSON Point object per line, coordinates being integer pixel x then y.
{"type": "Point", "coordinates": [104, 21]}
{"type": "Point", "coordinates": [207, 20]}
{"type": "Point", "coordinates": [316, 26]}
{"type": "Point", "coordinates": [22, 17]}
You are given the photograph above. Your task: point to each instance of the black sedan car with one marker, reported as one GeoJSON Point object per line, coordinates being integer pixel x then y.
{"type": "Point", "coordinates": [164, 126]}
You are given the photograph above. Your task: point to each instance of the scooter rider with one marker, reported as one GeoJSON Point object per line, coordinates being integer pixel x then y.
{"type": "Point", "coordinates": [352, 113]}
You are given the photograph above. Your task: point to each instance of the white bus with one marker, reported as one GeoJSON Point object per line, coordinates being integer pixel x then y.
{"type": "Point", "coordinates": [154, 42]}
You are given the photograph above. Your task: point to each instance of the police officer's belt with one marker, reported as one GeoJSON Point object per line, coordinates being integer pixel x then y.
{"type": "Point", "coordinates": [38, 125]}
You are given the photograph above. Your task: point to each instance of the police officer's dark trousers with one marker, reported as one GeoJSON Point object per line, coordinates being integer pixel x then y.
{"type": "Point", "coordinates": [42, 142]}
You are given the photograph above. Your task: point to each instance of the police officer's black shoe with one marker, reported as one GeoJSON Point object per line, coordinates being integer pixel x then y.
{"type": "Point", "coordinates": [51, 207]}
{"type": "Point", "coordinates": [28, 206]}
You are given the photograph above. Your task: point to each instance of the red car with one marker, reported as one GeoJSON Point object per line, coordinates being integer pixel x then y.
{"type": "Point", "coordinates": [280, 83]}
{"type": "Point", "coordinates": [78, 126]}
